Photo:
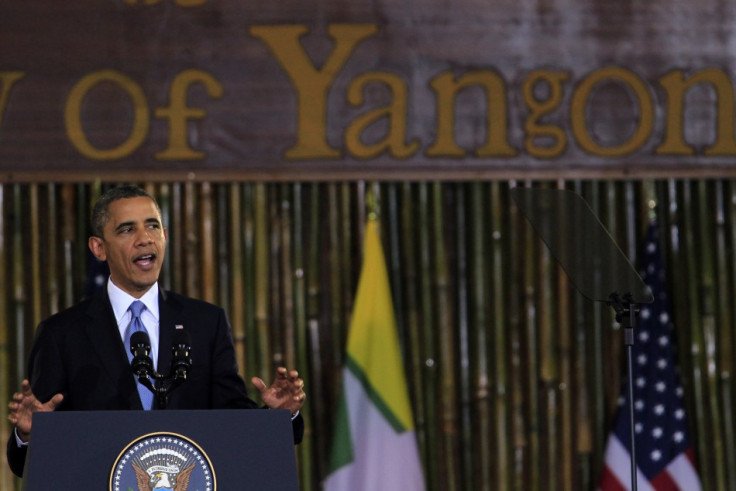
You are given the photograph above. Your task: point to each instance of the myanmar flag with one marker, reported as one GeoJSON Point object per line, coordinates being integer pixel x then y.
{"type": "Point", "coordinates": [374, 447]}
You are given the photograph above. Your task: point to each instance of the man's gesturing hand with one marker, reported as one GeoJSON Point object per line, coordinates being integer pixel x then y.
{"type": "Point", "coordinates": [22, 406]}
{"type": "Point", "coordinates": [286, 392]}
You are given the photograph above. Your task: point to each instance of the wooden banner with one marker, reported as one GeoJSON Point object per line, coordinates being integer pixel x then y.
{"type": "Point", "coordinates": [292, 90]}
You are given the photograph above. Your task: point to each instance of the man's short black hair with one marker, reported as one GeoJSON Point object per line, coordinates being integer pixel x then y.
{"type": "Point", "coordinates": [100, 211]}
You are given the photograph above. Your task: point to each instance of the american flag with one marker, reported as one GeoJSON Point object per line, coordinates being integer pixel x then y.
{"type": "Point", "coordinates": [664, 453]}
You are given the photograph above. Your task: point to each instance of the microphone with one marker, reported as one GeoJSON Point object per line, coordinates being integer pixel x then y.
{"type": "Point", "coordinates": [181, 361]}
{"type": "Point", "coordinates": [140, 347]}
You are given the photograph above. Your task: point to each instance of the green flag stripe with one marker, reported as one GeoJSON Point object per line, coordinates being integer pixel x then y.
{"type": "Point", "coordinates": [374, 396]}
{"type": "Point", "coordinates": [342, 445]}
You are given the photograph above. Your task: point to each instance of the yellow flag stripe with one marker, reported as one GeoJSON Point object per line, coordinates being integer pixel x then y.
{"type": "Point", "coordinates": [373, 342]}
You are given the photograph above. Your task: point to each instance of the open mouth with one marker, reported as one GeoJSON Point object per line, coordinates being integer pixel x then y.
{"type": "Point", "coordinates": [145, 260]}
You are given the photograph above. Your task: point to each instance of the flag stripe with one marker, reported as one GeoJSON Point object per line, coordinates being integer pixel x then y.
{"type": "Point", "coordinates": [663, 482]}
{"type": "Point", "coordinates": [683, 472]}
{"type": "Point", "coordinates": [618, 463]}
{"type": "Point", "coordinates": [609, 482]}
{"type": "Point", "coordinates": [342, 445]}
{"type": "Point", "coordinates": [375, 396]}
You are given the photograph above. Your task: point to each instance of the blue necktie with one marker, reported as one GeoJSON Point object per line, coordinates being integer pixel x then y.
{"type": "Point", "coordinates": [136, 324]}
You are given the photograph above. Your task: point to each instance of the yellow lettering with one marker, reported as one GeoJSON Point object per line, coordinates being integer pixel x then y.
{"type": "Point", "coordinates": [178, 113]}
{"type": "Point", "coordinates": [578, 120]}
{"type": "Point", "coordinates": [7, 80]}
{"type": "Point", "coordinates": [395, 113]}
{"type": "Point", "coordinates": [551, 81]}
{"type": "Point", "coordinates": [73, 115]}
{"type": "Point", "coordinates": [675, 85]}
{"type": "Point", "coordinates": [446, 88]}
{"type": "Point", "coordinates": [312, 85]}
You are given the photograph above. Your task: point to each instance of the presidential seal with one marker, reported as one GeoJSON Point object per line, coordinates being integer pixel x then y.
{"type": "Point", "coordinates": [162, 462]}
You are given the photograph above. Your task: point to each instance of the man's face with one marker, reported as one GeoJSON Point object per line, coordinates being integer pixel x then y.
{"type": "Point", "coordinates": [133, 244]}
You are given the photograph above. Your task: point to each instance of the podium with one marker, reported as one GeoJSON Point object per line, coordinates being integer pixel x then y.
{"type": "Point", "coordinates": [133, 450]}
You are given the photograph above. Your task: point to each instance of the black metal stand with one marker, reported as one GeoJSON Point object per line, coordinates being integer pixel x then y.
{"type": "Point", "coordinates": [626, 311]}
{"type": "Point", "coordinates": [163, 383]}
{"type": "Point", "coordinates": [161, 387]}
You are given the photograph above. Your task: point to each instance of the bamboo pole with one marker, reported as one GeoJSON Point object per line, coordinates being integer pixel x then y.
{"type": "Point", "coordinates": [707, 312]}
{"type": "Point", "coordinates": [598, 329]}
{"type": "Point", "coordinates": [206, 250]}
{"type": "Point", "coordinates": [412, 321]}
{"type": "Point", "coordinates": [288, 348]}
{"type": "Point", "coordinates": [176, 242]}
{"type": "Point", "coordinates": [52, 250]}
{"type": "Point", "coordinates": [80, 248]}
{"type": "Point", "coordinates": [237, 294]}
{"type": "Point", "coordinates": [697, 346]}
{"type": "Point", "coordinates": [548, 369]}
{"type": "Point", "coordinates": [728, 386]}
{"type": "Point", "coordinates": [446, 343]}
{"type": "Point", "coordinates": [8, 383]}
{"type": "Point", "coordinates": [339, 329]}
{"type": "Point", "coordinates": [251, 223]}
{"type": "Point", "coordinates": [514, 248]}
{"type": "Point", "coordinates": [19, 287]}
{"type": "Point", "coordinates": [191, 252]}
{"type": "Point", "coordinates": [564, 366]}
{"type": "Point", "coordinates": [322, 395]}
{"type": "Point", "coordinates": [725, 336]}
{"type": "Point", "coordinates": [163, 197]}
{"type": "Point", "coordinates": [68, 234]}
{"type": "Point", "coordinates": [467, 431]}
{"type": "Point", "coordinates": [530, 352]}
{"type": "Point", "coordinates": [345, 254]}
{"type": "Point", "coordinates": [581, 381]}
{"type": "Point", "coordinates": [276, 246]}
{"type": "Point", "coordinates": [224, 260]}
{"type": "Point", "coordinates": [262, 282]}
{"type": "Point", "coordinates": [391, 213]}
{"type": "Point", "coordinates": [300, 332]}
{"type": "Point", "coordinates": [484, 460]}
{"type": "Point", "coordinates": [347, 242]}
{"type": "Point", "coordinates": [615, 376]}
{"type": "Point", "coordinates": [499, 298]}
{"type": "Point", "coordinates": [426, 336]}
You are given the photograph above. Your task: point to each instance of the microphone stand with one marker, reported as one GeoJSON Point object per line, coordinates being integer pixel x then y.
{"type": "Point", "coordinates": [626, 311]}
{"type": "Point", "coordinates": [163, 383]}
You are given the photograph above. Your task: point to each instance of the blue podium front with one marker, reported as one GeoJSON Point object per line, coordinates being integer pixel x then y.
{"type": "Point", "coordinates": [202, 450]}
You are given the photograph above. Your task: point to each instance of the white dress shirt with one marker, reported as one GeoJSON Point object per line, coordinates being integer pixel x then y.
{"type": "Point", "coordinates": [150, 316]}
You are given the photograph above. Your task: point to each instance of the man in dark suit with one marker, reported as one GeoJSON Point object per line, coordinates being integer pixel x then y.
{"type": "Point", "coordinates": [79, 359]}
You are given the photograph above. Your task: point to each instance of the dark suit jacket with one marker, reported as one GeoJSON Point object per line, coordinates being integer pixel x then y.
{"type": "Point", "coordinates": [79, 353]}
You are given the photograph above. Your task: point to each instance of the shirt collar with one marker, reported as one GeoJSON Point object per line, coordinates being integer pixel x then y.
{"type": "Point", "coordinates": [121, 300]}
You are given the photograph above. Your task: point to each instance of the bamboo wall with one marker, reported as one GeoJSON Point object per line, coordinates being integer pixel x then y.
{"type": "Point", "coordinates": [513, 375]}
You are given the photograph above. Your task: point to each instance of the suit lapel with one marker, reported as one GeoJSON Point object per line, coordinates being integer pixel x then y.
{"type": "Point", "coordinates": [103, 330]}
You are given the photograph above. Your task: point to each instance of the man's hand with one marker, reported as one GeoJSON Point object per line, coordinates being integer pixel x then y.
{"type": "Point", "coordinates": [286, 392]}
{"type": "Point", "coordinates": [22, 406]}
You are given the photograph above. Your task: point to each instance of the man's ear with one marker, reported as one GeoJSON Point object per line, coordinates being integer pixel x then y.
{"type": "Point", "coordinates": [97, 247]}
